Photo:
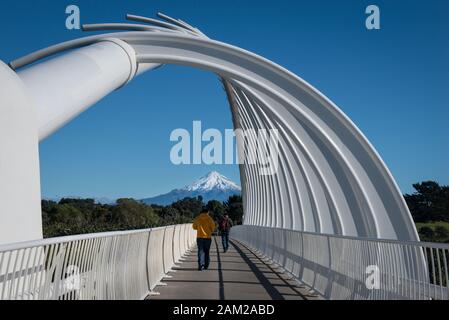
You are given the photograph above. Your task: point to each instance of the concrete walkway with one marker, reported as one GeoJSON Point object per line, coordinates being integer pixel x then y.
{"type": "Point", "coordinates": [238, 274]}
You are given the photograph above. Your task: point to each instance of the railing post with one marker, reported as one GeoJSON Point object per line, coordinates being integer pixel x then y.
{"type": "Point", "coordinates": [146, 262]}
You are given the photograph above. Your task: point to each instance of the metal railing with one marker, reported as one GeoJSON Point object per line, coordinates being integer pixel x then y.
{"type": "Point", "coordinates": [115, 265]}
{"type": "Point", "coordinates": [338, 267]}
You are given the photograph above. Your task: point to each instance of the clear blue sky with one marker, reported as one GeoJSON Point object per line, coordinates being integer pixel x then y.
{"type": "Point", "coordinates": [393, 83]}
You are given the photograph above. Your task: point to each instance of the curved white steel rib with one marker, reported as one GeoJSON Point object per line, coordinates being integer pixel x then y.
{"type": "Point", "coordinates": [330, 179]}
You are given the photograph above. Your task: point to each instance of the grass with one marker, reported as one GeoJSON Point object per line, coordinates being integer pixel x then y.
{"type": "Point", "coordinates": [433, 226]}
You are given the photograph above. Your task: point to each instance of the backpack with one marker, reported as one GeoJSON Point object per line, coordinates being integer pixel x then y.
{"type": "Point", "coordinates": [224, 225]}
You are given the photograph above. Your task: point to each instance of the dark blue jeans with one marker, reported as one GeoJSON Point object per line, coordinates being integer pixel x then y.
{"type": "Point", "coordinates": [203, 252]}
{"type": "Point", "coordinates": [225, 240]}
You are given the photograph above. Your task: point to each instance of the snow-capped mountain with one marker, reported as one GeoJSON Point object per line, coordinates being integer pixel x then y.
{"type": "Point", "coordinates": [213, 180]}
{"type": "Point", "coordinates": [213, 186]}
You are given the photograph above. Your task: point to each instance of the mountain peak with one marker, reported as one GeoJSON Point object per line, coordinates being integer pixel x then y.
{"type": "Point", "coordinates": [213, 180]}
{"type": "Point", "coordinates": [212, 186]}
{"type": "Point", "coordinates": [214, 175]}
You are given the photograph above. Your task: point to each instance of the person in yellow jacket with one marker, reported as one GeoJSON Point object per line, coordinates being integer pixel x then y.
{"type": "Point", "coordinates": [204, 226]}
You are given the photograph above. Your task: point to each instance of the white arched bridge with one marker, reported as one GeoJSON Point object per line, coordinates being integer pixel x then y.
{"type": "Point", "coordinates": [324, 217]}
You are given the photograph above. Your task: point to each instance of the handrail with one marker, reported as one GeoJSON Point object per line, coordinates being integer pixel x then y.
{"type": "Point", "coordinates": [438, 245]}
{"type": "Point", "coordinates": [55, 240]}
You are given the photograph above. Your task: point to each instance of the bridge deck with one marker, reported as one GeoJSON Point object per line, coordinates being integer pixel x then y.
{"type": "Point", "coordinates": [239, 274]}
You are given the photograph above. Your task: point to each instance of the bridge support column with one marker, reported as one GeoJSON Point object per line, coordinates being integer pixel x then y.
{"type": "Point", "coordinates": [20, 213]}
{"type": "Point", "coordinates": [37, 101]}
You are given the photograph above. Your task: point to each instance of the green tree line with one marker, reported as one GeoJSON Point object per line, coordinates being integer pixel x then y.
{"type": "Point", "coordinates": [81, 216]}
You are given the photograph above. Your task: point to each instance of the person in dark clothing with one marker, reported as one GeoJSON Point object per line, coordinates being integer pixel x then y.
{"type": "Point", "coordinates": [225, 226]}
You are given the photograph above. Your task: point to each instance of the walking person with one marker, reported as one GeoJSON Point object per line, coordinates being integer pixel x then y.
{"type": "Point", "coordinates": [204, 226]}
{"type": "Point", "coordinates": [225, 227]}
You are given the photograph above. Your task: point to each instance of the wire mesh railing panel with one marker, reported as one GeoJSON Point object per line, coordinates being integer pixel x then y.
{"type": "Point", "coordinates": [338, 267]}
{"type": "Point", "coordinates": [115, 265]}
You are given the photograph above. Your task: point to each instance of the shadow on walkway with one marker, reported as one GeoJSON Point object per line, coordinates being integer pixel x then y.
{"type": "Point", "coordinates": [238, 274]}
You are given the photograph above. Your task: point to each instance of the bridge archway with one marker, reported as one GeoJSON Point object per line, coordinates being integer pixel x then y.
{"type": "Point", "coordinates": [330, 178]}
